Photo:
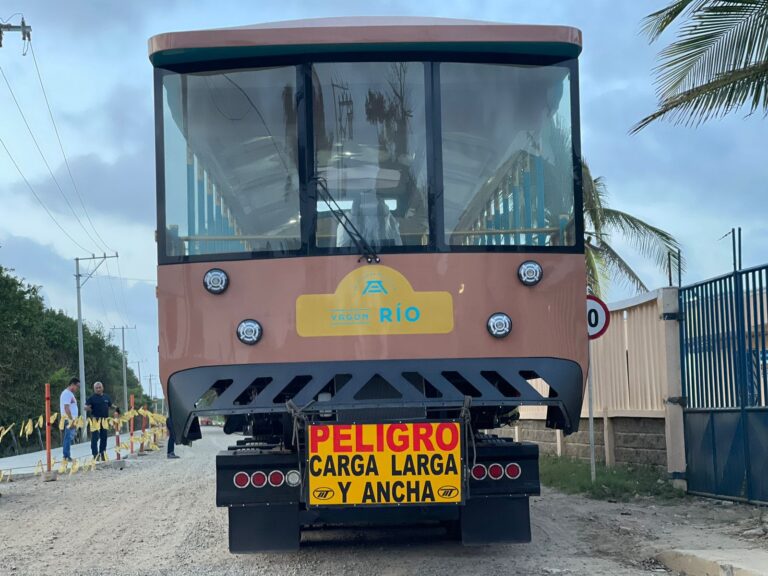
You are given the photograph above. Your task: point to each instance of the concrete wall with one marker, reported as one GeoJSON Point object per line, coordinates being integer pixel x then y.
{"type": "Point", "coordinates": [631, 440]}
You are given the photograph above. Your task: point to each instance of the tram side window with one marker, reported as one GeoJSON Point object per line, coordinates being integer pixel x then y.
{"type": "Point", "coordinates": [231, 178]}
{"type": "Point", "coordinates": [370, 146]}
{"type": "Point", "coordinates": [507, 155]}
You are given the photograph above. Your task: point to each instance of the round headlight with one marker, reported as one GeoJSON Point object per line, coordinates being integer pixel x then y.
{"type": "Point", "coordinates": [499, 325]}
{"type": "Point", "coordinates": [216, 280]}
{"type": "Point", "coordinates": [530, 273]}
{"type": "Point", "coordinates": [249, 332]}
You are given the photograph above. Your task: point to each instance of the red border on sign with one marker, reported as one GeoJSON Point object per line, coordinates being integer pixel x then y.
{"type": "Point", "coordinates": [604, 306]}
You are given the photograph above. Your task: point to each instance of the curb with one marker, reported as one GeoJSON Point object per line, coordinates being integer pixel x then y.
{"type": "Point", "coordinates": [731, 562]}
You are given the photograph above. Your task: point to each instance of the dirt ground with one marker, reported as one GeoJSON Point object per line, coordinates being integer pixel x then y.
{"type": "Point", "coordinates": [158, 516]}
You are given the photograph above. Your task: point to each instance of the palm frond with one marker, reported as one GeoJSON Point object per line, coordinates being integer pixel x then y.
{"type": "Point", "coordinates": [650, 241]}
{"type": "Point", "coordinates": [716, 98]}
{"type": "Point", "coordinates": [595, 194]}
{"type": "Point", "coordinates": [719, 38]}
{"type": "Point", "coordinates": [656, 23]}
{"type": "Point", "coordinates": [593, 273]}
{"type": "Point", "coordinates": [617, 268]}
{"type": "Point", "coordinates": [717, 63]}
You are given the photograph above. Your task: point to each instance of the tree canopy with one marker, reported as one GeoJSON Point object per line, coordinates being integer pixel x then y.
{"type": "Point", "coordinates": [39, 345]}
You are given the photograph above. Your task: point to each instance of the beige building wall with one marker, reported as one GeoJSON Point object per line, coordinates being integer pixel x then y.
{"type": "Point", "coordinates": [635, 369]}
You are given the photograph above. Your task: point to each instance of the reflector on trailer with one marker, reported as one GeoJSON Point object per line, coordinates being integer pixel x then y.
{"type": "Point", "coordinates": [495, 471]}
{"type": "Point", "coordinates": [258, 479]}
{"type": "Point", "coordinates": [293, 478]}
{"type": "Point", "coordinates": [241, 479]}
{"type": "Point", "coordinates": [479, 472]}
{"type": "Point", "coordinates": [276, 478]}
{"type": "Point", "coordinates": [513, 471]}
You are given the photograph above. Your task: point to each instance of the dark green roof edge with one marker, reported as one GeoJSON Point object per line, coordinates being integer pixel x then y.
{"type": "Point", "coordinates": [187, 55]}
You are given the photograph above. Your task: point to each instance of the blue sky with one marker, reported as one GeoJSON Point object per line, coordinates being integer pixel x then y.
{"type": "Point", "coordinates": [696, 183]}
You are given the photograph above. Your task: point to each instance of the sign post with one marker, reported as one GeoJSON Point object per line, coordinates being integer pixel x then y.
{"type": "Point", "coordinates": [598, 319]}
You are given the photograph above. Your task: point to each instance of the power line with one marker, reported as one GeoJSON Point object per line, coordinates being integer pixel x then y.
{"type": "Point", "coordinates": [11, 16]}
{"type": "Point", "coordinates": [141, 280]}
{"type": "Point", "coordinates": [114, 298]}
{"type": "Point", "coordinates": [63, 154]}
{"type": "Point", "coordinates": [125, 305]}
{"type": "Point", "coordinates": [50, 214]}
{"type": "Point", "coordinates": [40, 151]}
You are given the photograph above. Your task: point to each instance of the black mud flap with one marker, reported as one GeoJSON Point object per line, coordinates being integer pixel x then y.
{"type": "Point", "coordinates": [264, 527]}
{"type": "Point", "coordinates": [495, 519]}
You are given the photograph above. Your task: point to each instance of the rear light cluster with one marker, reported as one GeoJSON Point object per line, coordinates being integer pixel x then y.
{"type": "Point", "coordinates": [259, 479]}
{"type": "Point", "coordinates": [496, 471]}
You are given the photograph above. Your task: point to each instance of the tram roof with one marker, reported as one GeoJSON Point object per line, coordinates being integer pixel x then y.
{"type": "Point", "coordinates": [364, 35]}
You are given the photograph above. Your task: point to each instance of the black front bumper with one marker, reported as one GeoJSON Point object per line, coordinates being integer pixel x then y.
{"type": "Point", "coordinates": [431, 385]}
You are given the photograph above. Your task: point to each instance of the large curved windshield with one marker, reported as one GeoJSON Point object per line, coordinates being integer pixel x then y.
{"type": "Point", "coordinates": [370, 148]}
{"type": "Point", "coordinates": [231, 177]}
{"type": "Point", "coordinates": [507, 155]}
{"type": "Point", "coordinates": [414, 156]}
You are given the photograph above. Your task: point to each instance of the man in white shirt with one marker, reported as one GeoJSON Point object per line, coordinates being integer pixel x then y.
{"type": "Point", "coordinates": [68, 412]}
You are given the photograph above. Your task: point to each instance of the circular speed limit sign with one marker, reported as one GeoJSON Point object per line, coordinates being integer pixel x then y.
{"type": "Point", "coordinates": [598, 317]}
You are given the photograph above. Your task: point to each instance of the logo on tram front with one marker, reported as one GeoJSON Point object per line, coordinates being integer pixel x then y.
{"type": "Point", "coordinates": [374, 300]}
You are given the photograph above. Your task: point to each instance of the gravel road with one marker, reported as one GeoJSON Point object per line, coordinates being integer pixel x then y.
{"type": "Point", "coordinates": [158, 516]}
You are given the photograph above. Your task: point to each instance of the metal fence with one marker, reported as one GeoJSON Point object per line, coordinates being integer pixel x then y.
{"type": "Point", "coordinates": [725, 376]}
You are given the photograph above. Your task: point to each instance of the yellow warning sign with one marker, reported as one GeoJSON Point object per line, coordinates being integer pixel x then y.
{"type": "Point", "coordinates": [374, 300]}
{"type": "Point", "coordinates": [403, 463]}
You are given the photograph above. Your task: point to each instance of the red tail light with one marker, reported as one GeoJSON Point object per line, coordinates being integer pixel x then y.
{"type": "Point", "coordinates": [276, 478]}
{"type": "Point", "coordinates": [241, 479]}
{"type": "Point", "coordinates": [479, 472]}
{"type": "Point", "coordinates": [513, 471]}
{"type": "Point", "coordinates": [258, 479]}
{"type": "Point", "coordinates": [495, 471]}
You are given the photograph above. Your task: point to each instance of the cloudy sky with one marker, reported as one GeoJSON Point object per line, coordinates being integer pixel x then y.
{"type": "Point", "coordinates": [695, 183]}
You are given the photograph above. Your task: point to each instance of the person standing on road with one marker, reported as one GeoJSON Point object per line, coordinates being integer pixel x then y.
{"type": "Point", "coordinates": [98, 406]}
{"type": "Point", "coordinates": [171, 438]}
{"type": "Point", "coordinates": [68, 411]}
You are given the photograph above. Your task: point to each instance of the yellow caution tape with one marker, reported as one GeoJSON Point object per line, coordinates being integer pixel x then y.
{"type": "Point", "coordinates": [39, 468]}
{"type": "Point", "coordinates": [75, 467]}
{"type": "Point", "coordinates": [28, 428]}
{"type": "Point", "coordinates": [39, 422]}
{"type": "Point", "coordinates": [53, 418]}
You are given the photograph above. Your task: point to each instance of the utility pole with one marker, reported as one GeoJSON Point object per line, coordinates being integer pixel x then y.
{"type": "Point", "coordinates": [138, 365]}
{"type": "Point", "coordinates": [81, 280]}
{"type": "Point", "coordinates": [125, 376]}
{"type": "Point", "coordinates": [26, 31]}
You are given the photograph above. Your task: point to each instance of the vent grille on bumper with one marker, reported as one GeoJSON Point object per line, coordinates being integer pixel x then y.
{"type": "Point", "coordinates": [354, 385]}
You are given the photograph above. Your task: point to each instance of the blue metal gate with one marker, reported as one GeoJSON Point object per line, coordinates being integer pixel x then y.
{"type": "Point", "coordinates": [725, 385]}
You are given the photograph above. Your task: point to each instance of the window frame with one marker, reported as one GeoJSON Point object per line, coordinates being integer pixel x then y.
{"type": "Point", "coordinates": [308, 196]}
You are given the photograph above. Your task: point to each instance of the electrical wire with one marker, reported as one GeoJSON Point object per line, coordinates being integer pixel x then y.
{"type": "Point", "coordinates": [40, 201]}
{"type": "Point", "coordinates": [136, 338]}
{"type": "Point", "coordinates": [11, 16]}
{"type": "Point", "coordinates": [63, 154]}
{"type": "Point", "coordinates": [40, 151]}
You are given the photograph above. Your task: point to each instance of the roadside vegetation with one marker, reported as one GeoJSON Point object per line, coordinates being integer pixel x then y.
{"type": "Point", "coordinates": [39, 345]}
{"type": "Point", "coordinates": [621, 483]}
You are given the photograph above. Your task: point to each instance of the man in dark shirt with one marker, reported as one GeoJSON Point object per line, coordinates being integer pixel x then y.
{"type": "Point", "coordinates": [97, 406]}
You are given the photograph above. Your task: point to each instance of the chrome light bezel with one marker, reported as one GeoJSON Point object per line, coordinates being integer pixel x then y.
{"type": "Point", "coordinates": [530, 273]}
{"type": "Point", "coordinates": [499, 325]}
{"type": "Point", "coordinates": [249, 331]}
{"type": "Point", "coordinates": [216, 281]}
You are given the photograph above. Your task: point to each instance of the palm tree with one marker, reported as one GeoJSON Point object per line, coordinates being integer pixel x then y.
{"type": "Point", "coordinates": [601, 223]}
{"type": "Point", "coordinates": [718, 63]}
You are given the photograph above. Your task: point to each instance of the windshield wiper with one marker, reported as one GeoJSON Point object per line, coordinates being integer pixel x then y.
{"type": "Point", "coordinates": [364, 247]}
